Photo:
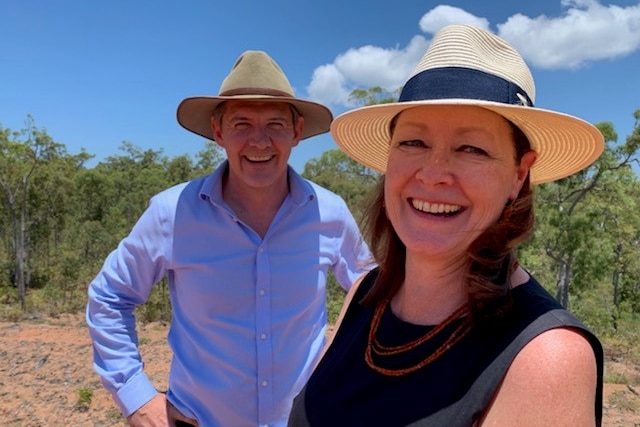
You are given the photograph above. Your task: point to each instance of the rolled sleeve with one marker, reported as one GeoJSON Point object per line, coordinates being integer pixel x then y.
{"type": "Point", "coordinates": [135, 393]}
{"type": "Point", "coordinates": [124, 282]}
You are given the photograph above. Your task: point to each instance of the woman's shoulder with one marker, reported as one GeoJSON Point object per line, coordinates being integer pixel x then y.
{"type": "Point", "coordinates": [552, 350]}
{"type": "Point", "coordinates": [558, 359]}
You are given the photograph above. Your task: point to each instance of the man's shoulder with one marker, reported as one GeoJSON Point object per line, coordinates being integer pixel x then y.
{"type": "Point", "coordinates": [303, 187]}
{"type": "Point", "coordinates": [323, 192]}
{"type": "Point", "coordinates": [174, 192]}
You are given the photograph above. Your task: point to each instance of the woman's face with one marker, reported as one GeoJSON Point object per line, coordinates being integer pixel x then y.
{"type": "Point", "coordinates": [450, 172]}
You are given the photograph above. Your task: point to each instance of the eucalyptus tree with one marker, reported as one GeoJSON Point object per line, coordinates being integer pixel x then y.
{"type": "Point", "coordinates": [95, 228]}
{"type": "Point", "coordinates": [576, 217]}
{"type": "Point", "coordinates": [208, 158]}
{"type": "Point", "coordinates": [621, 222]}
{"type": "Point", "coordinates": [373, 95]}
{"type": "Point", "coordinates": [134, 177]}
{"type": "Point", "coordinates": [335, 171]}
{"type": "Point", "coordinates": [51, 202]}
{"type": "Point", "coordinates": [21, 153]}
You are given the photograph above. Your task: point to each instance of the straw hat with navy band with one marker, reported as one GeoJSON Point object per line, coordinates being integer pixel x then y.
{"type": "Point", "coordinates": [254, 77]}
{"type": "Point", "coordinates": [465, 65]}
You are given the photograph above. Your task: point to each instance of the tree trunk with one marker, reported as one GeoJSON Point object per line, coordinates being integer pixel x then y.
{"type": "Point", "coordinates": [18, 252]}
{"type": "Point", "coordinates": [564, 281]}
{"type": "Point", "coordinates": [615, 280]}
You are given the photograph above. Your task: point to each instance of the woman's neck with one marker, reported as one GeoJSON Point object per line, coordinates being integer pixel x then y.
{"type": "Point", "coordinates": [430, 292]}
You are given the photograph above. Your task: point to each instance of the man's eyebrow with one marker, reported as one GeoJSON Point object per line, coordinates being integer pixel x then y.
{"type": "Point", "coordinates": [281, 117]}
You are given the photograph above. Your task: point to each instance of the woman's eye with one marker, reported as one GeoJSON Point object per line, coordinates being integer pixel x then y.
{"type": "Point", "coordinates": [472, 150]}
{"type": "Point", "coordinates": [411, 143]}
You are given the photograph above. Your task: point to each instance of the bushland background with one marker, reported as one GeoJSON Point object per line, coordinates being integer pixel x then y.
{"type": "Point", "coordinates": [59, 219]}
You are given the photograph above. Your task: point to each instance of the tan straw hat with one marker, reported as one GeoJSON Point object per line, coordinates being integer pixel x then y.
{"type": "Point", "coordinates": [254, 77]}
{"type": "Point", "coordinates": [466, 65]}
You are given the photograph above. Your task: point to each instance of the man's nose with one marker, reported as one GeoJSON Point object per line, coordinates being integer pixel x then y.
{"type": "Point", "coordinates": [260, 137]}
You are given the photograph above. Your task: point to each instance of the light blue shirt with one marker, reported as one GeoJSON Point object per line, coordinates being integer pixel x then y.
{"type": "Point", "coordinates": [248, 314]}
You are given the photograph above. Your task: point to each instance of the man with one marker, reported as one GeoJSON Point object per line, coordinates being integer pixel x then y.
{"type": "Point", "coordinates": [246, 251]}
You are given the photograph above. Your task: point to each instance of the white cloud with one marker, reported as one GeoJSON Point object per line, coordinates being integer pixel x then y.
{"type": "Point", "coordinates": [441, 16]}
{"type": "Point", "coordinates": [327, 85]}
{"type": "Point", "coordinates": [365, 67]}
{"type": "Point", "coordinates": [586, 32]}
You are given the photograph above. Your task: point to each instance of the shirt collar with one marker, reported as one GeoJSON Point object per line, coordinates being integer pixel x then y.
{"type": "Point", "coordinates": [300, 190]}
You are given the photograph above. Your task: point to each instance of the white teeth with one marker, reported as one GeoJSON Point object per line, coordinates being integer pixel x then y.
{"type": "Point", "coordinates": [259, 158]}
{"type": "Point", "coordinates": [434, 208]}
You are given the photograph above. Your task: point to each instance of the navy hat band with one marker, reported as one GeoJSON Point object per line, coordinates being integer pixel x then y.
{"type": "Point", "coordinates": [462, 83]}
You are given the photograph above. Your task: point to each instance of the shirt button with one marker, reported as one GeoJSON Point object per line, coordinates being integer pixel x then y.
{"type": "Point", "coordinates": [262, 292]}
{"type": "Point", "coordinates": [263, 336]}
{"type": "Point", "coordinates": [261, 250]}
{"type": "Point", "coordinates": [265, 383]}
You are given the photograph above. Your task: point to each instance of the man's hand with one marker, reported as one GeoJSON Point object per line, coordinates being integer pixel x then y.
{"type": "Point", "coordinates": [159, 412]}
{"type": "Point", "coordinates": [151, 414]}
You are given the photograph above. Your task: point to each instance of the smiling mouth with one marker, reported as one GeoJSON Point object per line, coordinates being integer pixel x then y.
{"type": "Point", "coordinates": [435, 208]}
{"type": "Point", "coordinates": [259, 159]}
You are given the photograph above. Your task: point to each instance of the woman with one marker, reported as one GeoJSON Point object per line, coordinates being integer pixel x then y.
{"type": "Point", "coordinates": [450, 330]}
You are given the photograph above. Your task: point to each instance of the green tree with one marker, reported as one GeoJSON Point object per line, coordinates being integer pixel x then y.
{"type": "Point", "coordinates": [208, 158]}
{"type": "Point", "coordinates": [335, 171]}
{"type": "Point", "coordinates": [622, 226]}
{"type": "Point", "coordinates": [373, 95]}
{"type": "Point", "coordinates": [55, 266]}
{"type": "Point", "coordinates": [21, 153]}
{"type": "Point", "coordinates": [574, 213]}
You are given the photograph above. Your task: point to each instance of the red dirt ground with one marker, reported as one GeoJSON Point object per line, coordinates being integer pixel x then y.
{"type": "Point", "coordinates": [46, 377]}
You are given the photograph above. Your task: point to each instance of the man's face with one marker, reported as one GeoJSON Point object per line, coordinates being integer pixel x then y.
{"type": "Point", "coordinates": [258, 138]}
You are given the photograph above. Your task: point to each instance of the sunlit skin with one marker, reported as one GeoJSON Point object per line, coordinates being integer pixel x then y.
{"type": "Point", "coordinates": [450, 172]}
{"type": "Point", "coordinates": [258, 138]}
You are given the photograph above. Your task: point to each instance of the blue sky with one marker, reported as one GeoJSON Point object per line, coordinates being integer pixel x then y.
{"type": "Point", "coordinates": [97, 73]}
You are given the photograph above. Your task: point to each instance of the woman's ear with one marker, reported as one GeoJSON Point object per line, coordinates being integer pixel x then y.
{"type": "Point", "coordinates": [522, 171]}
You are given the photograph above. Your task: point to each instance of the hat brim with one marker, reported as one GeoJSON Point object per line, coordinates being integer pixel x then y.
{"type": "Point", "coordinates": [565, 144]}
{"type": "Point", "coordinates": [194, 113]}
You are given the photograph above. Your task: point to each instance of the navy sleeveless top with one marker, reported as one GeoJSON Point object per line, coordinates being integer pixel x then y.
{"type": "Point", "coordinates": [454, 390]}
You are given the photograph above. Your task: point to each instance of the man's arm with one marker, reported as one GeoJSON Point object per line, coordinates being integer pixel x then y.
{"type": "Point", "coordinates": [123, 283]}
{"type": "Point", "coordinates": [355, 258]}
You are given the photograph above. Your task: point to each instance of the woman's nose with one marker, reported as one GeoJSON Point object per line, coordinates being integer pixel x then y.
{"type": "Point", "coordinates": [436, 169]}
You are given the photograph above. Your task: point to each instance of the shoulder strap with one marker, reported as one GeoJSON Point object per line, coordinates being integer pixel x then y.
{"type": "Point", "coordinates": [470, 407]}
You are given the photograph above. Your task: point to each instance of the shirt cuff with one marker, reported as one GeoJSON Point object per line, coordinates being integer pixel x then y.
{"type": "Point", "coordinates": [135, 393]}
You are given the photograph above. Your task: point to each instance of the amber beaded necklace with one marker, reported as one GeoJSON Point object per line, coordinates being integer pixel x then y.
{"type": "Point", "coordinates": [380, 350]}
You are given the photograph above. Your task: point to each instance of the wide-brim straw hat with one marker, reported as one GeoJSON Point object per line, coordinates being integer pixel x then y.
{"type": "Point", "coordinates": [465, 65]}
{"type": "Point", "coordinates": [254, 77]}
